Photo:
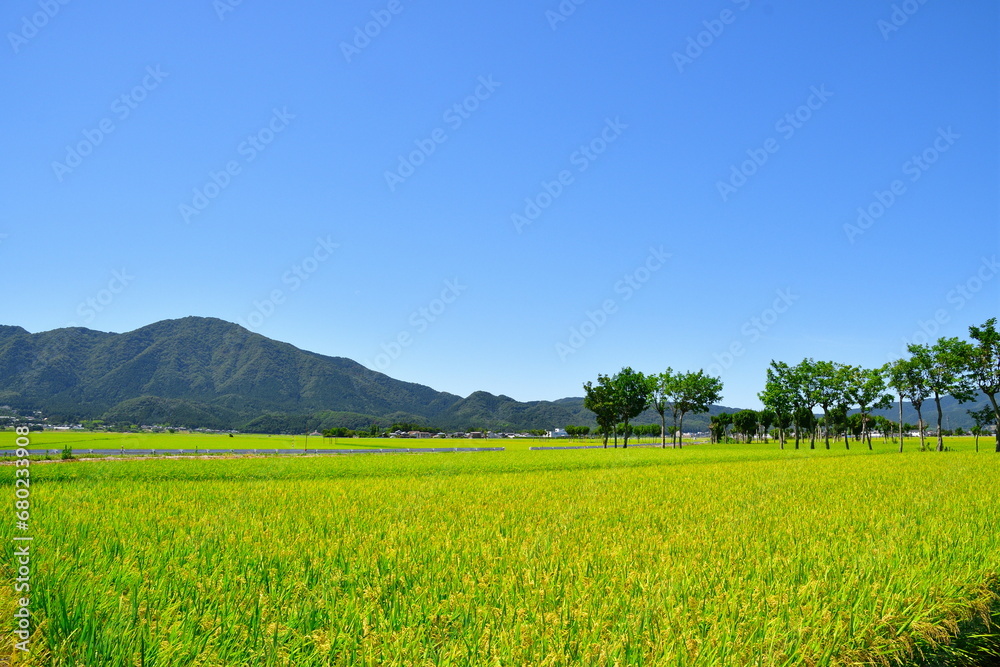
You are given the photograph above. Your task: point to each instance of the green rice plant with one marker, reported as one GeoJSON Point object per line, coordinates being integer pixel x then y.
{"type": "Point", "coordinates": [729, 555]}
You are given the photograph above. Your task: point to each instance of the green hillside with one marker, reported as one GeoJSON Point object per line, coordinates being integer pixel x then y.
{"type": "Point", "coordinates": [204, 372]}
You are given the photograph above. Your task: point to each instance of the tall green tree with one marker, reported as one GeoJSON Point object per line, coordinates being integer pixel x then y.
{"type": "Point", "coordinates": [745, 423]}
{"type": "Point", "coordinates": [983, 360]}
{"type": "Point", "coordinates": [632, 395]}
{"type": "Point", "coordinates": [600, 399]}
{"type": "Point", "coordinates": [674, 402]}
{"type": "Point", "coordinates": [791, 388]}
{"type": "Point", "coordinates": [829, 389]}
{"type": "Point", "coordinates": [944, 363]}
{"type": "Point", "coordinates": [805, 380]}
{"type": "Point", "coordinates": [895, 377]}
{"type": "Point", "coordinates": [661, 398]}
{"type": "Point", "coordinates": [696, 392]}
{"type": "Point", "coordinates": [909, 378]}
{"type": "Point", "coordinates": [779, 396]}
{"type": "Point", "coordinates": [783, 422]}
{"type": "Point", "coordinates": [724, 421]}
{"type": "Point", "coordinates": [766, 418]}
{"type": "Point", "coordinates": [867, 390]}
{"type": "Point", "coordinates": [715, 429]}
{"type": "Point", "coordinates": [844, 376]}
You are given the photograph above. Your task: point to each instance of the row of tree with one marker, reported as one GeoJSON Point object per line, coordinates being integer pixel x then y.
{"type": "Point", "coordinates": [948, 367]}
{"type": "Point", "coordinates": [616, 400]}
{"type": "Point", "coordinates": [749, 425]}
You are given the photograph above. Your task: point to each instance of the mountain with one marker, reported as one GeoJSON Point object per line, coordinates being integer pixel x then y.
{"type": "Point", "coordinates": [204, 372]}
{"type": "Point", "coordinates": [953, 413]}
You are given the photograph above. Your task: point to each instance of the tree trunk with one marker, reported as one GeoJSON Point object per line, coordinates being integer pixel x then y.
{"type": "Point", "coordinates": [940, 443]}
{"type": "Point", "coordinates": [920, 425]}
{"type": "Point", "coordinates": [996, 412]}
{"type": "Point", "coordinates": [680, 433]}
{"type": "Point", "coordinates": [900, 423]}
{"type": "Point", "coordinates": [663, 430]}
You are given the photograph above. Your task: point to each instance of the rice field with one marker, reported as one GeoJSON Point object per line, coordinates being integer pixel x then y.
{"type": "Point", "coordinates": [710, 555]}
{"type": "Point", "coordinates": [86, 443]}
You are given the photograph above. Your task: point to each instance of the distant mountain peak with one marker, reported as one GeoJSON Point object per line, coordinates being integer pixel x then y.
{"type": "Point", "coordinates": [7, 331]}
{"type": "Point", "coordinates": [221, 374]}
{"type": "Point", "coordinates": [204, 371]}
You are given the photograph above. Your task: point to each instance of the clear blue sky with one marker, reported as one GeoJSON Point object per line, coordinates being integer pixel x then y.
{"type": "Point", "coordinates": [614, 122]}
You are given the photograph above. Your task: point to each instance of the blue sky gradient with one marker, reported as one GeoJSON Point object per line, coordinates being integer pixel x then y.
{"type": "Point", "coordinates": [512, 197]}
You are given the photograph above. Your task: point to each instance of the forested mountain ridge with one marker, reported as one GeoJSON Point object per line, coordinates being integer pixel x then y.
{"type": "Point", "coordinates": [200, 371]}
{"type": "Point", "coordinates": [205, 372]}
